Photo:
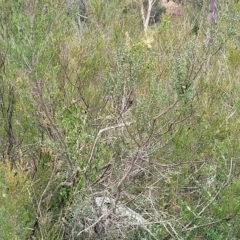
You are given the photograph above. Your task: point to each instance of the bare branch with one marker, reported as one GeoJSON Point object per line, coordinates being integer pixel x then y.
{"type": "Point", "coordinates": [97, 138]}
{"type": "Point", "coordinates": [216, 195]}
{"type": "Point", "coordinates": [51, 121]}
{"type": "Point", "coordinates": [62, 184]}
{"type": "Point", "coordinates": [50, 181]}
{"type": "Point", "coordinates": [91, 226]}
{"type": "Point", "coordinates": [166, 111]}
{"type": "Point", "coordinates": [206, 224]}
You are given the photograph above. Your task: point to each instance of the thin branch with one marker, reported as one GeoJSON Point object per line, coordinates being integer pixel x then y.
{"type": "Point", "coordinates": [166, 111]}
{"type": "Point", "coordinates": [206, 224]}
{"type": "Point", "coordinates": [50, 119]}
{"type": "Point", "coordinates": [80, 15]}
{"type": "Point", "coordinates": [91, 226]}
{"type": "Point", "coordinates": [134, 158]}
{"type": "Point", "coordinates": [128, 131]}
{"type": "Point", "coordinates": [50, 181]}
{"type": "Point", "coordinates": [216, 195]}
{"type": "Point", "coordinates": [154, 121]}
{"type": "Point", "coordinates": [218, 192]}
{"type": "Point", "coordinates": [62, 184]}
{"type": "Point", "coordinates": [97, 138]}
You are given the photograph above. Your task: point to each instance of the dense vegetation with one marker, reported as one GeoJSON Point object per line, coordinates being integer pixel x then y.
{"type": "Point", "coordinates": [115, 131]}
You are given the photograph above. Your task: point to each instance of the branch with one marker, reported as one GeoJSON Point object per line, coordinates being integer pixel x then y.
{"type": "Point", "coordinates": [50, 181]}
{"type": "Point", "coordinates": [213, 198]}
{"type": "Point", "coordinates": [62, 184]}
{"type": "Point", "coordinates": [146, 141]}
{"type": "Point", "coordinates": [166, 111]}
{"type": "Point", "coordinates": [97, 138]}
{"type": "Point", "coordinates": [218, 192]}
{"type": "Point", "coordinates": [206, 224]}
{"type": "Point", "coordinates": [91, 226]}
{"type": "Point", "coordinates": [51, 121]}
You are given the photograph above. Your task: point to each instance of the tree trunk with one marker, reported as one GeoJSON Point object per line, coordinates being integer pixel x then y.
{"type": "Point", "coordinates": [212, 11]}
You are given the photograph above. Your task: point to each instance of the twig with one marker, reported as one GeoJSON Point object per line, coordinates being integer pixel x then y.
{"type": "Point", "coordinates": [119, 185]}
{"type": "Point", "coordinates": [80, 15]}
{"type": "Point", "coordinates": [206, 224]}
{"type": "Point", "coordinates": [218, 192]}
{"type": "Point", "coordinates": [128, 131]}
{"type": "Point", "coordinates": [97, 138]}
{"type": "Point", "coordinates": [50, 119]}
{"type": "Point", "coordinates": [214, 198]}
{"type": "Point", "coordinates": [166, 111]}
{"type": "Point", "coordinates": [50, 181]}
{"type": "Point", "coordinates": [91, 226]}
{"type": "Point", "coordinates": [62, 184]}
{"type": "Point", "coordinates": [146, 141]}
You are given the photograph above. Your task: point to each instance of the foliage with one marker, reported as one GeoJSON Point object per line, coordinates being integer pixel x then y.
{"type": "Point", "coordinates": [97, 106]}
{"type": "Point", "coordinates": [17, 212]}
